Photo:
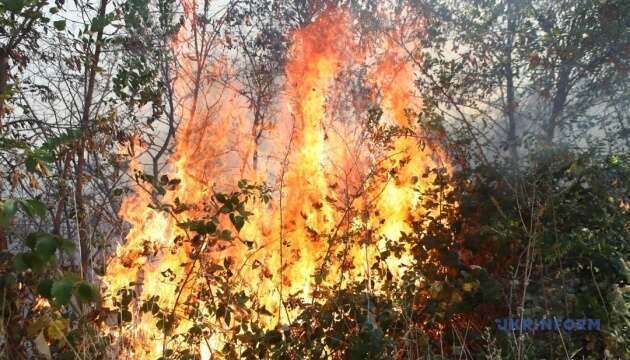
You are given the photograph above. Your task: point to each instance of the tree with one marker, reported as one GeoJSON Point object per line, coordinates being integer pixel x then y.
{"type": "Point", "coordinates": [21, 23]}
{"type": "Point", "coordinates": [526, 70]}
{"type": "Point", "coordinates": [93, 57]}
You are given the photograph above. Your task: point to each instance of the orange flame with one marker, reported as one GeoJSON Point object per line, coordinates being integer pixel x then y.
{"type": "Point", "coordinates": [332, 179]}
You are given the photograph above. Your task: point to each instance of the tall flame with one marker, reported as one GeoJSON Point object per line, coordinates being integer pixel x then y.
{"type": "Point", "coordinates": [331, 178]}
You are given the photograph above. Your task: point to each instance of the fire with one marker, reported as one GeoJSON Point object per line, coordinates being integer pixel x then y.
{"type": "Point", "coordinates": [333, 181]}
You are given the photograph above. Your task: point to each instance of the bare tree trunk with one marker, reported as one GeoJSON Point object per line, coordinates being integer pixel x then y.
{"type": "Point", "coordinates": [559, 100]}
{"type": "Point", "coordinates": [257, 132]}
{"type": "Point", "coordinates": [15, 39]}
{"type": "Point", "coordinates": [166, 74]}
{"type": "Point", "coordinates": [510, 96]}
{"type": "Point", "coordinates": [4, 244]}
{"type": "Point", "coordinates": [85, 135]}
{"type": "Point", "coordinates": [4, 80]}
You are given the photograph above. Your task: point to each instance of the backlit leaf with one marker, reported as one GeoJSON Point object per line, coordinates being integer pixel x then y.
{"type": "Point", "coordinates": [7, 211]}
{"type": "Point", "coordinates": [42, 346]}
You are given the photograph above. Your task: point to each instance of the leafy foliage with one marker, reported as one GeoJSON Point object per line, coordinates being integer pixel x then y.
{"type": "Point", "coordinates": [37, 278]}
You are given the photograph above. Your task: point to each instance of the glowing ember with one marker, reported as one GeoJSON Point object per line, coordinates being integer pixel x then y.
{"type": "Point", "coordinates": [339, 182]}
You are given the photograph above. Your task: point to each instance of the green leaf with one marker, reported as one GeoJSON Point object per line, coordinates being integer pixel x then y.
{"type": "Point", "coordinates": [195, 330]}
{"type": "Point", "coordinates": [60, 25]}
{"type": "Point", "coordinates": [13, 5]}
{"type": "Point", "coordinates": [20, 263]}
{"type": "Point", "coordinates": [99, 23]}
{"type": "Point", "coordinates": [221, 198]}
{"type": "Point", "coordinates": [227, 316]}
{"type": "Point", "coordinates": [7, 211]}
{"type": "Point", "coordinates": [225, 235]}
{"type": "Point", "coordinates": [86, 292]}
{"type": "Point", "coordinates": [66, 245]}
{"type": "Point", "coordinates": [32, 238]}
{"type": "Point", "coordinates": [151, 305]}
{"type": "Point", "coordinates": [27, 261]}
{"type": "Point", "coordinates": [44, 288]}
{"type": "Point", "coordinates": [273, 337]}
{"type": "Point", "coordinates": [34, 207]}
{"type": "Point", "coordinates": [237, 221]}
{"type": "Point", "coordinates": [67, 138]}
{"type": "Point", "coordinates": [124, 316]}
{"type": "Point", "coordinates": [62, 291]}
{"type": "Point", "coordinates": [31, 163]}
{"type": "Point", "coordinates": [36, 160]}
{"type": "Point", "coordinates": [46, 247]}
{"type": "Point", "coordinates": [198, 226]}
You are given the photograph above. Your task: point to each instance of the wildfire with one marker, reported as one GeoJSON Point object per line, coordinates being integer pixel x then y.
{"type": "Point", "coordinates": [339, 191]}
